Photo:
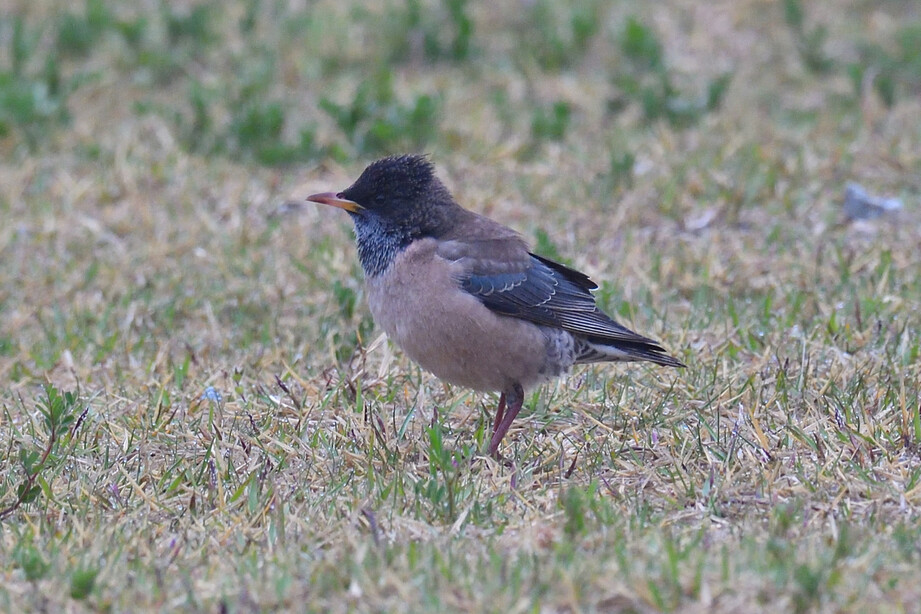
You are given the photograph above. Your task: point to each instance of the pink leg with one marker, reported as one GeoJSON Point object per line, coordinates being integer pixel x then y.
{"type": "Point", "coordinates": [499, 411]}
{"type": "Point", "coordinates": [514, 399]}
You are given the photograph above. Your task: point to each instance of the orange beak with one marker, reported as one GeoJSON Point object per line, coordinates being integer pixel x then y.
{"type": "Point", "coordinates": [333, 200]}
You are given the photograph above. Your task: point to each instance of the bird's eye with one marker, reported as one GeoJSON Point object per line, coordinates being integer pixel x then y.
{"type": "Point", "coordinates": [379, 198]}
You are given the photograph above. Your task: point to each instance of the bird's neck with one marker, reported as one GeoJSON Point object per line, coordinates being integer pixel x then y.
{"type": "Point", "coordinates": [381, 238]}
{"type": "Point", "coordinates": [378, 245]}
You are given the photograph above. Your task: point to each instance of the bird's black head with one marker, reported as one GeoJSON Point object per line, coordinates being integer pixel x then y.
{"type": "Point", "coordinates": [395, 201]}
{"type": "Point", "coordinates": [402, 188]}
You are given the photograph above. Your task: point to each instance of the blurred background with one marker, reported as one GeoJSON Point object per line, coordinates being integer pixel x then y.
{"type": "Point", "coordinates": [196, 408]}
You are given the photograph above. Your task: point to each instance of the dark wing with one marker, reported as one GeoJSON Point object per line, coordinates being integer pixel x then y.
{"type": "Point", "coordinates": [514, 282]}
{"type": "Point", "coordinates": [548, 293]}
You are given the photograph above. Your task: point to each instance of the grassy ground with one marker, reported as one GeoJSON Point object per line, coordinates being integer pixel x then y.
{"type": "Point", "coordinates": [198, 413]}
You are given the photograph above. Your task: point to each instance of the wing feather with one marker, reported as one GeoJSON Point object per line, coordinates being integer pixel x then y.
{"type": "Point", "coordinates": [539, 290]}
{"type": "Point", "coordinates": [508, 279]}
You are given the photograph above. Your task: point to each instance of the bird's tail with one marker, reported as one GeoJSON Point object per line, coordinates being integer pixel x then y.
{"type": "Point", "coordinates": [597, 349]}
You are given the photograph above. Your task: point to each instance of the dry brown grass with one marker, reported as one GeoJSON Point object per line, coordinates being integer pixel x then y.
{"type": "Point", "coordinates": [779, 472]}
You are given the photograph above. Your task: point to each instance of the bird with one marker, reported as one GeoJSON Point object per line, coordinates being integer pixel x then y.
{"type": "Point", "coordinates": [465, 298]}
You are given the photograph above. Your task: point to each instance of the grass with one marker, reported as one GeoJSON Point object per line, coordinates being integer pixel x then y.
{"type": "Point", "coordinates": [197, 412]}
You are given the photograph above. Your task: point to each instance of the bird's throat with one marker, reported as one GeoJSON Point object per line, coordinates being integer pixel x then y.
{"type": "Point", "coordinates": [378, 245]}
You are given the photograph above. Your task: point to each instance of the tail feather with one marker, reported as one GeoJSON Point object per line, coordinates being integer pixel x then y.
{"type": "Point", "coordinates": [591, 349]}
